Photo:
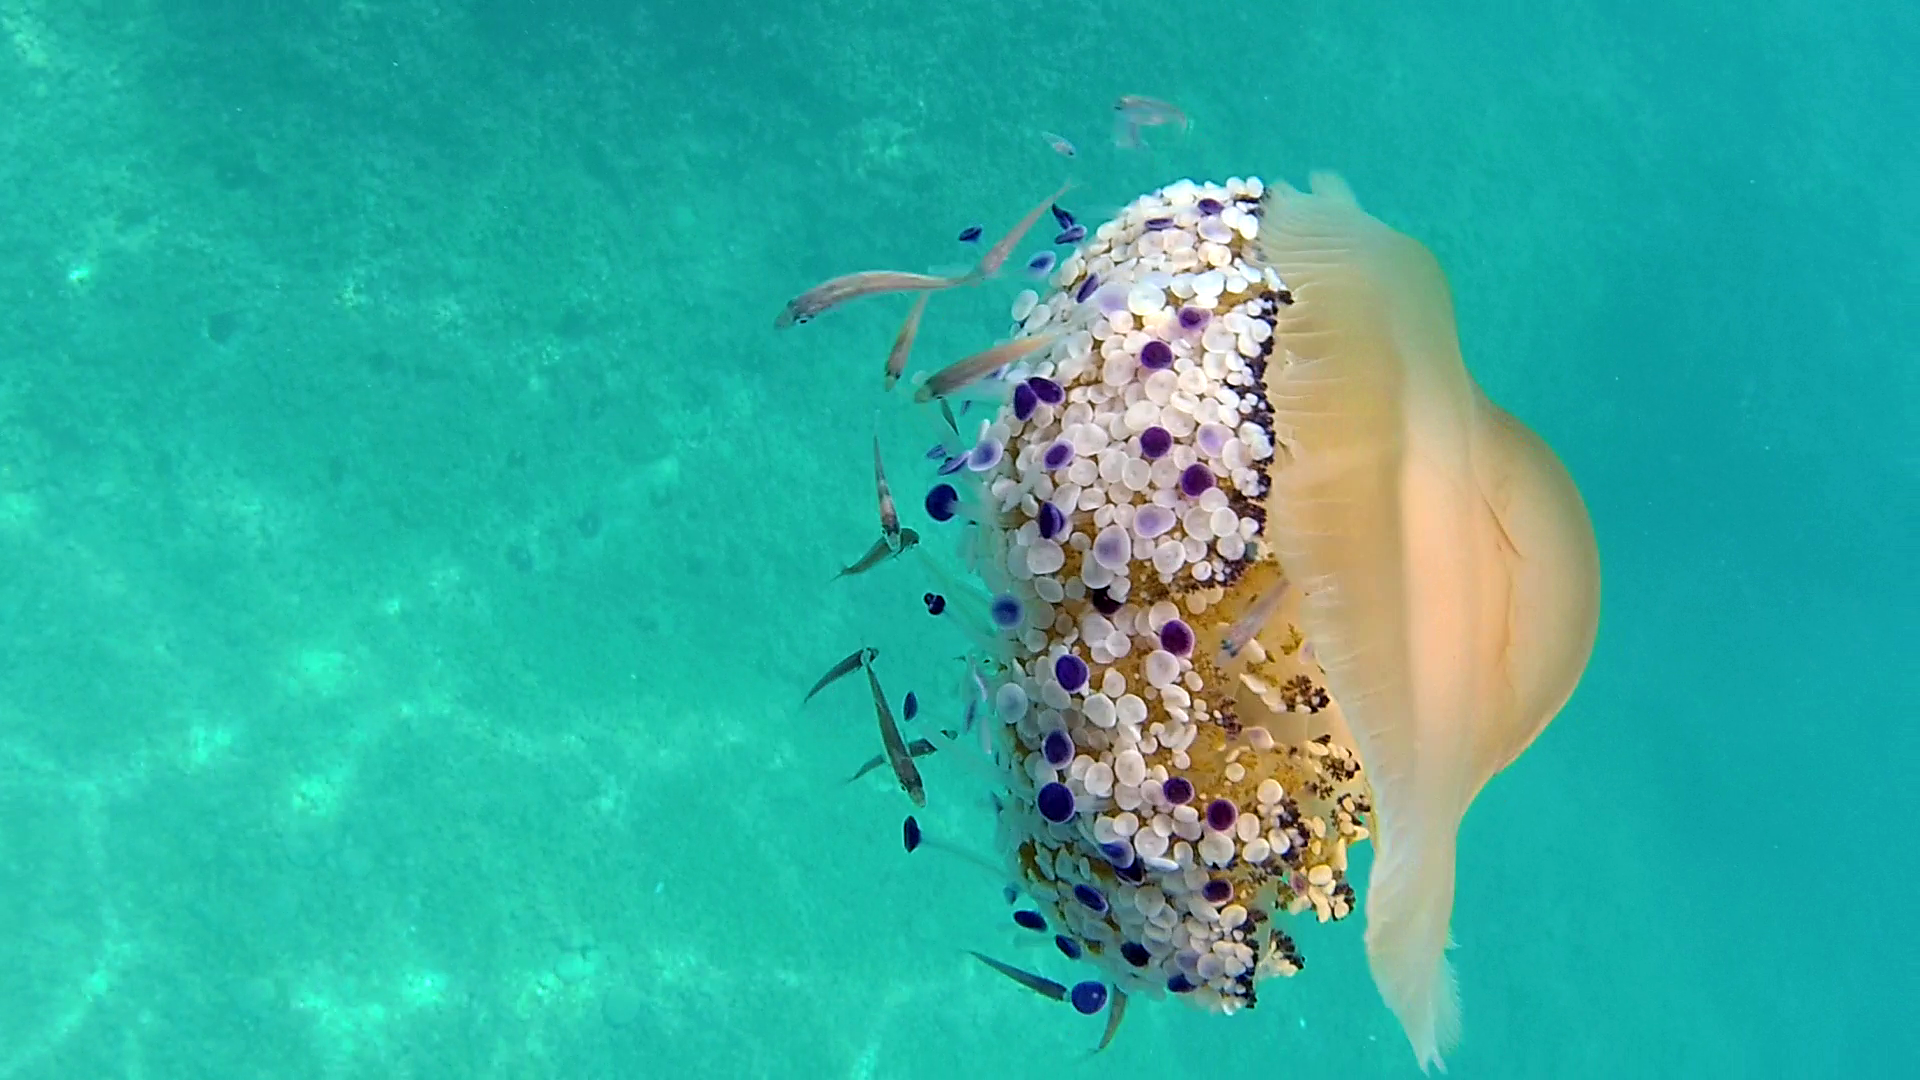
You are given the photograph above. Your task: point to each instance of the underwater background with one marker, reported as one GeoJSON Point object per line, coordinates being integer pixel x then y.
{"type": "Point", "coordinates": [415, 541]}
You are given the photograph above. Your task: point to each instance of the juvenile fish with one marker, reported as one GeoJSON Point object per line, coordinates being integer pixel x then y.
{"type": "Point", "coordinates": [994, 259]}
{"type": "Point", "coordinates": [1038, 984]}
{"type": "Point", "coordinates": [919, 748]}
{"type": "Point", "coordinates": [1133, 112]}
{"type": "Point", "coordinates": [1059, 143]}
{"type": "Point", "coordinates": [1246, 626]}
{"type": "Point", "coordinates": [981, 694]}
{"type": "Point", "coordinates": [889, 514]}
{"type": "Point", "coordinates": [857, 658]}
{"type": "Point", "coordinates": [831, 294]}
{"type": "Point", "coordinates": [972, 369]}
{"type": "Point", "coordinates": [897, 754]}
{"type": "Point", "coordinates": [882, 550]}
{"type": "Point", "coordinates": [903, 342]}
{"type": "Point", "coordinates": [982, 698]}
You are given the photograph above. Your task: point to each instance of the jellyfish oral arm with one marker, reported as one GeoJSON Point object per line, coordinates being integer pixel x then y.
{"type": "Point", "coordinates": [1500, 590]}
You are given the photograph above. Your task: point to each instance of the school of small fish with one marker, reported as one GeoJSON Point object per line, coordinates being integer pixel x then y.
{"type": "Point", "coordinates": [1132, 113]}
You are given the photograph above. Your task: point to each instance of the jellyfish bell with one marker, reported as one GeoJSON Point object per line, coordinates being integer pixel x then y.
{"type": "Point", "coordinates": [1453, 578]}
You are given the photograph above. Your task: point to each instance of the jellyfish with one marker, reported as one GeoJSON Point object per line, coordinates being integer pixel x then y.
{"type": "Point", "coordinates": [1270, 578]}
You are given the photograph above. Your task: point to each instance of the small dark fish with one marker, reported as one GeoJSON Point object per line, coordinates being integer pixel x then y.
{"type": "Point", "coordinates": [1116, 1011]}
{"type": "Point", "coordinates": [910, 708]}
{"type": "Point", "coordinates": [1038, 984]}
{"type": "Point", "coordinates": [910, 832]}
{"type": "Point", "coordinates": [882, 550]}
{"type": "Point", "coordinates": [1086, 288]}
{"type": "Point", "coordinates": [845, 667]}
{"type": "Point", "coordinates": [1159, 224]}
{"type": "Point", "coordinates": [918, 748]}
{"type": "Point", "coordinates": [1061, 217]}
{"type": "Point", "coordinates": [897, 754]}
{"type": "Point", "coordinates": [1041, 264]}
{"type": "Point", "coordinates": [946, 413]}
{"type": "Point", "coordinates": [1072, 234]}
{"type": "Point", "coordinates": [970, 234]}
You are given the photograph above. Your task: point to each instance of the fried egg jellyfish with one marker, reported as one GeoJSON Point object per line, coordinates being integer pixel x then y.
{"type": "Point", "coordinates": [1269, 577]}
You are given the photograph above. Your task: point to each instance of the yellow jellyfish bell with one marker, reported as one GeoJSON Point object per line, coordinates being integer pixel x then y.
{"type": "Point", "coordinates": [1450, 579]}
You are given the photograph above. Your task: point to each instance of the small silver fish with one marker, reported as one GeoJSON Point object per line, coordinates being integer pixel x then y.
{"type": "Point", "coordinates": [897, 754]}
{"type": "Point", "coordinates": [1248, 625]}
{"type": "Point", "coordinates": [1059, 143]}
{"type": "Point", "coordinates": [981, 694]}
{"type": "Point", "coordinates": [855, 659]}
{"type": "Point", "coordinates": [1133, 112]}
{"type": "Point", "coordinates": [919, 748]}
{"type": "Point", "coordinates": [983, 699]}
{"type": "Point", "coordinates": [883, 549]}
{"type": "Point", "coordinates": [1038, 984]}
{"type": "Point", "coordinates": [972, 369]}
{"type": "Point", "coordinates": [1116, 1011]}
{"type": "Point", "coordinates": [831, 294]}
{"type": "Point", "coordinates": [996, 257]}
{"type": "Point", "coordinates": [903, 342]}
{"type": "Point", "coordinates": [889, 514]}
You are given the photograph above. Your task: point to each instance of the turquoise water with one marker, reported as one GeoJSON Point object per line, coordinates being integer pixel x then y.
{"type": "Point", "coordinates": [414, 540]}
